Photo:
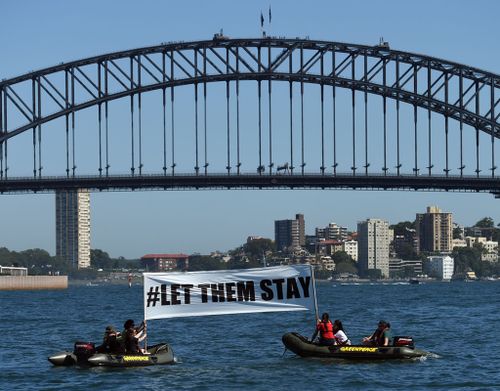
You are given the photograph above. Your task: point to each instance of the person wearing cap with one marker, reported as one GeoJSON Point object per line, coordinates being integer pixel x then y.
{"type": "Point", "coordinates": [133, 335]}
{"type": "Point", "coordinates": [381, 336]}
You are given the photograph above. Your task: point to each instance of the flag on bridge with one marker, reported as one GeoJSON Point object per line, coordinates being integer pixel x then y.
{"type": "Point", "coordinates": [281, 288]}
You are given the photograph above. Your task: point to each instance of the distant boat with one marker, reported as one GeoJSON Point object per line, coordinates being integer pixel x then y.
{"type": "Point", "coordinates": [414, 281]}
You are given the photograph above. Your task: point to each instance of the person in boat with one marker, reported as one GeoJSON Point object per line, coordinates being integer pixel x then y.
{"type": "Point", "coordinates": [339, 333]}
{"type": "Point", "coordinates": [325, 329]}
{"type": "Point", "coordinates": [381, 336]}
{"type": "Point", "coordinates": [133, 336]}
{"type": "Point", "coordinates": [110, 341]}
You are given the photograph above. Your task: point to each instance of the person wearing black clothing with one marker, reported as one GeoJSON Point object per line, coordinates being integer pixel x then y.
{"type": "Point", "coordinates": [132, 336]}
{"type": "Point", "coordinates": [381, 336]}
{"type": "Point", "coordinates": [110, 341]}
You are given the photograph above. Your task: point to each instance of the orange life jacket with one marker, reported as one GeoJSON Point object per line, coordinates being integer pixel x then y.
{"type": "Point", "coordinates": [326, 329]}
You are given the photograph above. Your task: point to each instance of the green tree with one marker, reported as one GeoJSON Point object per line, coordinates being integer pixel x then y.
{"type": "Point", "coordinates": [400, 228]}
{"type": "Point", "coordinates": [466, 259]}
{"type": "Point", "coordinates": [101, 260]}
{"type": "Point", "coordinates": [204, 262]}
{"type": "Point", "coordinates": [485, 222]}
{"type": "Point", "coordinates": [346, 267]}
{"type": "Point", "coordinates": [407, 251]}
{"type": "Point", "coordinates": [341, 256]}
{"type": "Point", "coordinates": [242, 263]}
{"type": "Point", "coordinates": [256, 248]}
{"type": "Point", "coordinates": [457, 233]}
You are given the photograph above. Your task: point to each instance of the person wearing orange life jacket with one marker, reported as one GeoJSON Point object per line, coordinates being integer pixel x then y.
{"type": "Point", "coordinates": [325, 329]}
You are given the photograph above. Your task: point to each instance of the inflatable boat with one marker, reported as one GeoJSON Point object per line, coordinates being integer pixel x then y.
{"type": "Point", "coordinates": [85, 354]}
{"type": "Point", "coordinates": [403, 348]}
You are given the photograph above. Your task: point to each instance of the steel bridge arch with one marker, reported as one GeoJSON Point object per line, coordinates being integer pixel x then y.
{"type": "Point", "coordinates": [244, 60]}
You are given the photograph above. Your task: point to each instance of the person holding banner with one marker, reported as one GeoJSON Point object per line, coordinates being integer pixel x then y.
{"type": "Point", "coordinates": [325, 329]}
{"type": "Point", "coordinates": [133, 335]}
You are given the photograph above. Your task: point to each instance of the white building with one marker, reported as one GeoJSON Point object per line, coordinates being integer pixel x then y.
{"type": "Point", "coordinates": [459, 243]}
{"type": "Point", "coordinates": [490, 247]}
{"type": "Point", "coordinates": [442, 266]}
{"type": "Point", "coordinates": [332, 232]}
{"type": "Point", "coordinates": [373, 246]}
{"type": "Point", "coordinates": [491, 251]}
{"type": "Point", "coordinates": [327, 263]}
{"type": "Point", "coordinates": [351, 248]}
{"type": "Point", "coordinates": [73, 227]}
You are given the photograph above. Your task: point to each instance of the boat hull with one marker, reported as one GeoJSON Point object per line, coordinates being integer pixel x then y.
{"type": "Point", "coordinates": [304, 348]}
{"type": "Point", "coordinates": [160, 354]}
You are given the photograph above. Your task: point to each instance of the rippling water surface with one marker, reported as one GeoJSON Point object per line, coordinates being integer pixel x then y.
{"type": "Point", "coordinates": [458, 322]}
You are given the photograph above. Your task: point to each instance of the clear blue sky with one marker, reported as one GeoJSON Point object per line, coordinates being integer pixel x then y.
{"type": "Point", "coordinates": [36, 34]}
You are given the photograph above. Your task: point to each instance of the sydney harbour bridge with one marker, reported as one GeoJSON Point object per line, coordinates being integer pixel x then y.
{"type": "Point", "coordinates": [259, 113]}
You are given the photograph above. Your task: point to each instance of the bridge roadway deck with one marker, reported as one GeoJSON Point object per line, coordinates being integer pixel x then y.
{"type": "Point", "coordinates": [254, 181]}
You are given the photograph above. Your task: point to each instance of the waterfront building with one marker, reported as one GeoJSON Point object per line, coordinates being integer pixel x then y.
{"type": "Point", "coordinates": [332, 232]}
{"type": "Point", "coordinates": [373, 246]}
{"type": "Point", "coordinates": [164, 262]}
{"type": "Point", "coordinates": [410, 267]}
{"type": "Point", "coordinates": [351, 248]}
{"type": "Point", "coordinates": [441, 267]}
{"type": "Point", "coordinates": [434, 230]}
{"type": "Point", "coordinates": [290, 234]}
{"type": "Point", "coordinates": [328, 247]}
{"type": "Point", "coordinates": [13, 271]}
{"type": "Point", "coordinates": [73, 227]}
{"type": "Point", "coordinates": [327, 263]}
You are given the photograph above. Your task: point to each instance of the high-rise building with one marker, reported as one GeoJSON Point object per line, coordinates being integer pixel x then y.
{"type": "Point", "coordinates": [373, 246]}
{"type": "Point", "coordinates": [290, 234]}
{"type": "Point", "coordinates": [434, 230]}
{"type": "Point", "coordinates": [332, 232]}
{"type": "Point", "coordinates": [302, 229]}
{"type": "Point", "coordinates": [73, 227]}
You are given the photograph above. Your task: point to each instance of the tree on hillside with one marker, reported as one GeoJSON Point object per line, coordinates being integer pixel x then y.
{"type": "Point", "coordinates": [257, 247]}
{"type": "Point", "coordinates": [341, 256]}
{"type": "Point", "coordinates": [204, 262]}
{"type": "Point", "coordinates": [101, 260]}
{"type": "Point", "coordinates": [457, 233]}
{"type": "Point", "coordinates": [407, 251]}
{"type": "Point", "coordinates": [400, 228]}
{"type": "Point", "coordinates": [485, 222]}
{"type": "Point", "coordinates": [346, 267]}
{"type": "Point", "coordinates": [466, 259]}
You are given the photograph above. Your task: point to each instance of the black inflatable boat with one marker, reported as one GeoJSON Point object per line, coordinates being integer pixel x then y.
{"type": "Point", "coordinates": [403, 348]}
{"type": "Point", "coordinates": [85, 354]}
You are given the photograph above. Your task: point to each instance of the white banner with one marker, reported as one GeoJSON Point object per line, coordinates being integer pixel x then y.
{"type": "Point", "coordinates": [281, 288]}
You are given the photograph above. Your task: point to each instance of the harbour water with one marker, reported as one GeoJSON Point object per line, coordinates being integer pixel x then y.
{"type": "Point", "coordinates": [457, 322]}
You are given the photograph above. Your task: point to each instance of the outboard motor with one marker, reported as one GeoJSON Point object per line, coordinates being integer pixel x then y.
{"type": "Point", "coordinates": [404, 341]}
{"type": "Point", "coordinates": [83, 350]}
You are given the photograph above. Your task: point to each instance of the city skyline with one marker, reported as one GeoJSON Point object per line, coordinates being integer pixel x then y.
{"type": "Point", "coordinates": [131, 224]}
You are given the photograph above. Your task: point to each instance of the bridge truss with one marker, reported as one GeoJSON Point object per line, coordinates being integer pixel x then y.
{"type": "Point", "coordinates": [465, 99]}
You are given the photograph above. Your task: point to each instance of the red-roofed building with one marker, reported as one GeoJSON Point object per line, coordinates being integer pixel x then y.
{"type": "Point", "coordinates": [165, 262]}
